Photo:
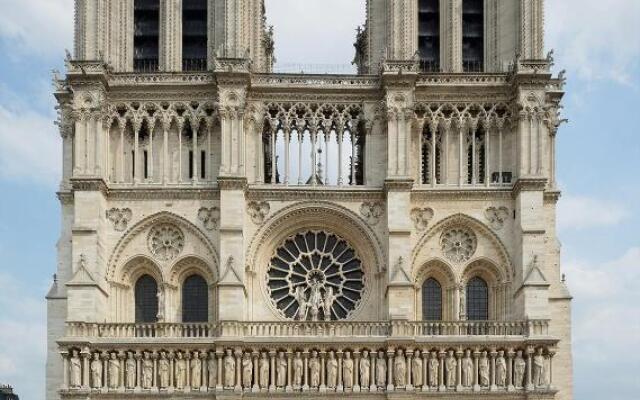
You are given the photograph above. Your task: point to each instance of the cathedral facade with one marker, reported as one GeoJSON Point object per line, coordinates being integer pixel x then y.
{"type": "Point", "coordinates": [231, 232]}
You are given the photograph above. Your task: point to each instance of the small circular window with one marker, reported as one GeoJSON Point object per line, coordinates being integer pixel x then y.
{"type": "Point", "coordinates": [315, 276]}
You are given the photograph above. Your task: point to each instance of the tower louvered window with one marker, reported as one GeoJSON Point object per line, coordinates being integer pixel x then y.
{"type": "Point", "coordinates": [146, 38]}
{"type": "Point", "coordinates": [473, 35]}
{"type": "Point", "coordinates": [194, 35]}
{"type": "Point", "coordinates": [429, 34]}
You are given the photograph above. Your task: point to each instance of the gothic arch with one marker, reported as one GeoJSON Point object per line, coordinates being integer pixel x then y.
{"type": "Point", "coordinates": [137, 266]}
{"type": "Point", "coordinates": [190, 265]}
{"type": "Point", "coordinates": [440, 270]}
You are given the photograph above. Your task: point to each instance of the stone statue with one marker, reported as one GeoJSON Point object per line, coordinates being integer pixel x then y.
{"type": "Point", "coordinates": [303, 305]}
{"type": "Point", "coordinates": [298, 367]}
{"type": "Point", "coordinates": [463, 303]}
{"type": "Point", "coordinates": [247, 371]}
{"type": "Point", "coordinates": [75, 380]}
{"type": "Point", "coordinates": [381, 371]}
{"type": "Point", "coordinates": [450, 366]}
{"type": "Point", "coordinates": [434, 364]}
{"type": "Point", "coordinates": [181, 371]}
{"type": "Point", "coordinates": [483, 370]}
{"type": "Point", "coordinates": [130, 370]}
{"type": "Point", "coordinates": [365, 370]}
{"type": "Point", "coordinates": [332, 371]}
{"type": "Point", "coordinates": [147, 371]}
{"type": "Point", "coordinates": [161, 300]}
{"type": "Point", "coordinates": [314, 370]}
{"type": "Point", "coordinates": [164, 370]}
{"type": "Point", "coordinates": [329, 298]}
{"type": "Point", "coordinates": [467, 370]}
{"type": "Point", "coordinates": [96, 372]}
{"type": "Point", "coordinates": [114, 371]}
{"type": "Point", "coordinates": [281, 369]}
{"type": "Point", "coordinates": [400, 369]}
{"type": "Point", "coordinates": [416, 369]}
{"type": "Point", "coordinates": [196, 371]}
{"type": "Point", "coordinates": [538, 369]}
{"type": "Point", "coordinates": [315, 301]}
{"type": "Point", "coordinates": [264, 371]}
{"type": "Point", "coordinates": [212, 370]}
{"type": "Point", "coordinates": [501, 370]}
{"type": "Point", "coordinates": [519, 367]}
{"type": "Point", "coordinates": [229, 370]}
{"type": "Point", "coordinates": [347, 371]}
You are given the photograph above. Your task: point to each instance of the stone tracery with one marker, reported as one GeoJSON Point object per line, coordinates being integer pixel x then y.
{"type": "Point", "coordinates": [166, 241]}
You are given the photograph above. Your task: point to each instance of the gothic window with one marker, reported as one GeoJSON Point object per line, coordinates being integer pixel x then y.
{"type": "Point", "coordinates": [476, 157]}
{"type": "Point", "coordinates": [473, 35]}
{"type": "Point", "coordinates": [429, 34]}
{"type": "Point", "coordinates": [315, 275]}
{"type": "Point", "coordinates": [431, 300]}
{"type": "Point", "coordinates": [428, 155]}
{"type": "Point", "coordinates": [194, 35]}
{"type": "Point", "coordinates": [477, 300]}
{"type": "Point", "coordinates": [146, 299]}
{"type": "Point", "coordinates": [146, 37]}
{"type": "Point", "coordinates": [195, 299]}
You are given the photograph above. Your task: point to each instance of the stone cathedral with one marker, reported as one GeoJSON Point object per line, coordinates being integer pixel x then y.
{"type": "Point", "coordinates": [229, 231]}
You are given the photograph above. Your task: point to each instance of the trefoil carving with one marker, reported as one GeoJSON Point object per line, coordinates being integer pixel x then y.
{"type": "Point", "coordinates": [119, 217]}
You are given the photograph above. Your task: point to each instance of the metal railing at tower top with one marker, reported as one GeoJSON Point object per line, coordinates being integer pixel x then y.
{"type": "Point", "coordinates": [300, 68]}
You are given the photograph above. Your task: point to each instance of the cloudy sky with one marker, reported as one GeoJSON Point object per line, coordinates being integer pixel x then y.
{"type": "Point", "coordinates": [598, 152]}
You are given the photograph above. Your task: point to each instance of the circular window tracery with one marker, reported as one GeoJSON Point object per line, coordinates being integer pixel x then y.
{"type": "Point", "coordinates": [166, 241]}
{"type": "Point", "coordinates": [458, 244]}
{"type": "Point", "coordinates": [315, 275]}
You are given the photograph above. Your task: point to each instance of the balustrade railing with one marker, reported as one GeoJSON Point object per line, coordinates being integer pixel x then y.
{"type": "Point", "coordinates": [159, 330]}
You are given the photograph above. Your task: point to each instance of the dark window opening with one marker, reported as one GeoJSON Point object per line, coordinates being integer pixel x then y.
{"type": "Point", "coordinates": [146, 299]}
{"type": "Point", "coordinates": [194, 35]}
{"type": "Point", "coordinates": [133, 164]}
{"type": "Point", "coordinates": [146, 35]}
{"type": "Point", "coordinates": [431, 300]}
{"type": "Point", "coordinates": [195, 300]}
{"type": "Point", "coordinates": [190, 164]}
{"type": "Point", "coordinates": [429, 35]}
{"type": "Point", "coordinates": [203, 163]}
{"type": "Point", "coordinates": [473, 35]}
{"type": "Point", "coordinates": [477, 300]}
{"type": "Point", "coordinates": [146, 165]}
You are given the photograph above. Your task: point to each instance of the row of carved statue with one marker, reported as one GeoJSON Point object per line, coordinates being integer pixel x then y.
{"type": "Point", "coordinates": [366, 370]}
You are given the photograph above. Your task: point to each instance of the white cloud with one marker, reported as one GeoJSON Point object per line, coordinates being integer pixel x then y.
{"type": "Point", "coordinates": [595, 39]}
{"type": "Point", "coordinates": [30, 146]}
{"type": "Point", "coordinates": [581, 212]}
{"type": "Point", "coordinates": [41, 27]}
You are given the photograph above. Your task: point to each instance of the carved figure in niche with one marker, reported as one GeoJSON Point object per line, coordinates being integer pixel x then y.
{"type": "Point", "coordinates": [212, 369]}
{"type": "Point", "coordinates": [160, 295]}
{"type": "Point", "coordinates": [347, 371]}
{"type": "Point", "coordinates": [114, 371]}
{"type": "Point", "coordinates": [467, 370]}
{"type": "Point", "coordinates": [329, 298]}
{"type": "Point", "coordinates": [300, 297]}
{"type": "Point", "coordinates": [434, 364]}
{"type": "Point", "coordinates": [400, 369]}
{"type": "Point", "coordinates": [519, 366]}
{"type": "Point", "coordinates": [416, 369]}
{"type": "Point", "coordinates": [332, 371]}
{"type": "Point", "coordinates": [483, 370]}
{"type": "Point", "coordinates": [130, 369]}
{"type": "Point", "coordinates": [264, 371]}
{"type": "Point", "coordinates": [281, 369]}
{"type": "Point", "coordinates": [381, 371]}
{"type": "Point", "coordinates": [297, 371]}
{"type": "Point", "coordinates": [365, 369]}
{"type": "Point", "coordinates": [247, 371]}
{"type": "Point", "coordinates": [463, 302]}
{"type": "Point", "coordinates": [181, 371]}
{"type": "Point", "coordinates": [163, 370]}
{"type": "Point", "coordinates": [147, 371]}
{"type": "Point", "coordinates": [229, 370]}
{"type": "Point", "coordinates": [538, 369]}
{"type": "Point", "coordinates": [314, 370]}
{"type": "Point", "coordinates": [315, 301]}
{"type": "Point", "coordinates": [96, 371]}
{"type": "Point", "coordinates": [450, 365]}
{"type": "Point", "coordinates": [501, 370]}
{"type": "Point", "coordinates": [75, 380]}
{"type": "Point", "coordinates": [196, 371]}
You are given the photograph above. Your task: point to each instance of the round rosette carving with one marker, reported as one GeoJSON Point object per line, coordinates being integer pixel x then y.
{"type": "Point", "coordinates": [166, 241]}
{"type": "Point", "coordinates": [458, 244]}
{"type": "Point", "coordinates": [314, 276]}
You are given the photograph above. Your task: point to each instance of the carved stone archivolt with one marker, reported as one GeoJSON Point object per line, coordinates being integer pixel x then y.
{"type": "Point", "coordinates": [496, 216]}
{"type": "Point", "coordinates": [166, 241]}
{"type": "Point", "coordinates": [258, 211]}
{"type": "Point", "coordinates": [119, 217]}
{"type": "Point", "coordinates": [458, 244]}
{"type": "Point", "coordinates": [209, 217]}
{"type": "Point", "coordinates": [421, 217]}
{"type": "Point", "coordinates": [372, 212]}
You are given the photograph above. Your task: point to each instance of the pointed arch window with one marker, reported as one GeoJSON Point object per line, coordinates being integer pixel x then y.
{"type": "Point", "coordinates": [146, 299]}
{"type": "Point", "coordinates": [195, 299]}
{"type": "Point", "coordinates": [431, 300]}
{"type": "Point", "coordinates": [194, 35]}
{"type": "Point", "coordinates": [146, 37]}
{"type": "Point", "coordinates": [477, 299]}
{"type": "Point", "coordinates": [473, 35]}
{"type": "Point", "coordinates": [429, 34]}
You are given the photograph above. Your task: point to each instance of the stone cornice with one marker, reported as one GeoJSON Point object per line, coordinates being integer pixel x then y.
{"type": "Point", "coordinates": [461, 194]}
{"type": "Point", "coordinates": [280, 193]}
{"type": "Point", "coordinates": [164, 194]}
{"type": "Point", "coordinates": [398, 184]}
{"type": "Point", "coordinates": [232, 183]}
{"type": "Point", "coordinates": [92, 184]}
{"type": "Point", "coordinates": [529, 184]}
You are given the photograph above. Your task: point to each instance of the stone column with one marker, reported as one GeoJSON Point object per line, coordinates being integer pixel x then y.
{"type": "Point", "coordinates": [442, 386]}
{"type": "Point", "coordinates": [272, 370]}
{"type": "Point", "coordinates": [86, 358]}
{"type": "Point", "coordinates": [390, 354]}
{"type": "Point", "coordinates": [256, 371]}
{"type": "Point", "coordinates": [529, 383]}
{"type": "Point", "coordinates": [459, 355]}
{"type": "Point", "coordinates": [476, 382]}
{"type": "Point", "coordinates": [493, 355]}
{"type": "Point", "coordinates": [219, 382]}
{"type": "Point", "coordinates": [425, 370]}
{"type": "Point", "coordinates": [510, 355]}
{"type": "Point", "coordinates": [372, 372]}
{"type": "Point", "coordinates": [323, 371]}
{"type": "Point", "coordinates": [356, 371]}
{"type": "Point", "coordinates": [238, 354]}
{"type": "Point", "coordinates": [409, 367]}
{"type": "Point", "coordinates": [65, 369]}
{"type": "Point", "coordinates": [289, 387]}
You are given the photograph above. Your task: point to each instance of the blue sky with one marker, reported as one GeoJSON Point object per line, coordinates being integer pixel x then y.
{"type": "Point", "coordinates": [598, 166]}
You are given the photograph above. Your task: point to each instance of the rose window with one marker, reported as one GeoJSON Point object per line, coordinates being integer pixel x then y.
{"type": "Point", "coordinates": [458, 244]}
{"type": "Point", "coordinates": [166, 241]}
{"type": "Point", "coordinates": [315, 276]}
